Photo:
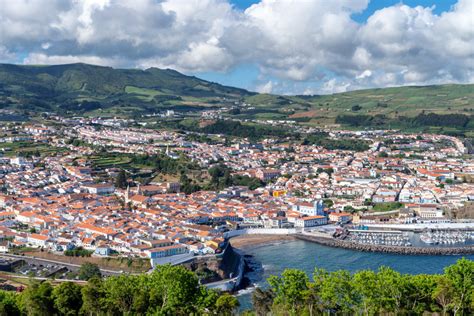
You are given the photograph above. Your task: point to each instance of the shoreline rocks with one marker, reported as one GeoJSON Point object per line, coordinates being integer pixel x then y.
{"type": "Point", "coordinates": [331, 242]}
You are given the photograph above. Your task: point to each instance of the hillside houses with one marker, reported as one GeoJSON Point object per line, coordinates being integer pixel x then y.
{"type": "Point", "coordinates": [66, 199]}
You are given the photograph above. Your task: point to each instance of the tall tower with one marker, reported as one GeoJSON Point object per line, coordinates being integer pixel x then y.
{"type": "Point", "coordinates": [127, 194]}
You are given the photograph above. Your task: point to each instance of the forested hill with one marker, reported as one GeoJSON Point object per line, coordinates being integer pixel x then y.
{"type": "Point", "coordinates": [82, 88]}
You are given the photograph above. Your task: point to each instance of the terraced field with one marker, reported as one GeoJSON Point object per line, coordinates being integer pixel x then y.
{"type": "Point", "coordinates": [28, 148]}
{"type": "Point", "coordinates": [110, 161]}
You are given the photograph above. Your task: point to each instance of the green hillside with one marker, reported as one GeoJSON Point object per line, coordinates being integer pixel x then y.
{"type": "Point", "coordinates": [392, 102]}
{"type": "Point", "coordinates": [83, 88]}
{"type": "Point", "coordinates": [440, 108]}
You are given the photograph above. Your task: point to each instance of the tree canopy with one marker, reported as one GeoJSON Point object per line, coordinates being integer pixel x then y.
{"type": "Point", "coordinates": [382, 292]}
{"type": "Point", "coordinates": [174, 290]}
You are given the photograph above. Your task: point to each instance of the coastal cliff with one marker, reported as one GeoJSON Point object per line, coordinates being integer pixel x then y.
{"type": "Point", "coordinates": [223, 272]}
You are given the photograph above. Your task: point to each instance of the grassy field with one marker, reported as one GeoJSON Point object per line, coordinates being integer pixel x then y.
{"type": "Point", "coordinates": [109, 161]}
{"type": "Point", "coordinates": [144, 94]}
{"type": "Point", "coordinates": [25, 148]}
{"type": "Point", "coordinates": [386, 207]}
{"type": "Point", "coordinates": [392, 102]}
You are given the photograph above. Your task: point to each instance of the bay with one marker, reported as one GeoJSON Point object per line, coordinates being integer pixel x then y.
{"type": "Point", "coordinates": [274, 258]}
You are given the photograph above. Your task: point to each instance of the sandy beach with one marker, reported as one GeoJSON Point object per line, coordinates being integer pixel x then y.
{"type": "Point", "coordinates": [247, 241]}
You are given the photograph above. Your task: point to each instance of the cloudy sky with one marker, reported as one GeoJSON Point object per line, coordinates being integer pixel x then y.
{"type": "Point", "coordinates": [279, 46]}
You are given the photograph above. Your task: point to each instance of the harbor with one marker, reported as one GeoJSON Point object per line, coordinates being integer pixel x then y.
{"type": "Point", "coordinates": [386, 238]}
{"type": "Point", "coordinates": [267, 260]}
{"type": "Point", "coordinates": [446, 237]}
{"type": "Point", "coordinates": [402, 250]}
{"type": "Point", "coordinates": [426, 238]}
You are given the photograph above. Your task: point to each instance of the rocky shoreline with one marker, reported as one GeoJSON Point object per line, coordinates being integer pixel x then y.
{"type": "Point", "coordinates": [331, 242]}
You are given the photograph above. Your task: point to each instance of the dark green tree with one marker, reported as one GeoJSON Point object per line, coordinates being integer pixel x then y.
{"type": "Point", "coordinates": [67, 298]}
{"type": "Point", "coordinates": [89, 270]}
{"type": "Point", "coordinates": [121, 180]}
{"type": "Point", "coordinates": [120, 294]}
{"type": "Point", "coordinates": [289, 288]}
{"type": "Point", "coordinates": [262, 301]}
{"type": "Point", "coordinates": [93, 297]}
{"type": "Point", "coordinates": [461, 276]}
{"type": "Point", "coordinates": [173, 285]}
{"type": "Point", "coordinates": [227, 305]}
{"type": "Point", "coordinates": [37, 299]}
{"type": "Point", "coordinates": [9, 303]}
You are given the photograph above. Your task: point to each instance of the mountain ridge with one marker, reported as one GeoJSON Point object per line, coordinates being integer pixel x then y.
{"type": "Point", "coordinates": [81, 88]}
{"type": "Point", "coordinates": [49, 85]}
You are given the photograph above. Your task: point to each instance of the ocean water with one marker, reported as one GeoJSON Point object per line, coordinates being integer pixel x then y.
{"type": "Point", "coordinates": [274, 258]}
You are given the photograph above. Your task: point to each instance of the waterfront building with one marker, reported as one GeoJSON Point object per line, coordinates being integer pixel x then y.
{"type": "Point", "coordinates": [311, 221]}
{"type": "Point", "coordinates": [166, 251]}
{"type": "Point", "coordinates": [340, 218]}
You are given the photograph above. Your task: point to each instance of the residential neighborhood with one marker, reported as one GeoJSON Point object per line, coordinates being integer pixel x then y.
{"type": "Point", "coordinates": [65, 197]}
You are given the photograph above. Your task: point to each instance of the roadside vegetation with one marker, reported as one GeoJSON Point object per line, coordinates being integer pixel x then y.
{"type": "Point", "coordinates": [322, 139]}
{"type": "Point", "coordinates": [128, 265]}
{"type": "Point", "coordinates": [169, 290]}
{"type": "Point", "coordinates": [386, 207]}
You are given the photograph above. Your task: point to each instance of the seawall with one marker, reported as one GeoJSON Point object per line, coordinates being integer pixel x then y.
{"type": "Point", "coordinates": [331, 242]}
{"type": "Point", "coordinates": [233, 264]}
{"type": "Point", "coordinates": [262, 231]}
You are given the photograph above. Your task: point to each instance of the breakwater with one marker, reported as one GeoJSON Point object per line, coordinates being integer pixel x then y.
{"type": "Point", "coordinates": [403, 250]}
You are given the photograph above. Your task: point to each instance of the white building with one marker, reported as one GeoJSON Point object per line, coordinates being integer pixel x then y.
{"type": "Point", "coordinates": [310, 209]}
{"type": "Point", "coordinates": [311, 221]}
{"type": "Point", "coordinates": [101, 188]}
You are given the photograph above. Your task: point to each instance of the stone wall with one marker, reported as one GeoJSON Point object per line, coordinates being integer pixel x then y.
{"type": "Point", "coordinates": [262, 231]}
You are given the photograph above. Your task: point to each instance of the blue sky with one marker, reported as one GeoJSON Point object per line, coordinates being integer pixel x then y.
{"type": "Point", "coordinates": [441, 5]}
{"type": "Point", "coordinates": [277, 46]}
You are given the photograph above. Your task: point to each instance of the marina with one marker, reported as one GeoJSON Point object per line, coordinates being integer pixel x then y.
{"type": "Point", "coordinates": [427, 237]}
{"type": "Point", "coordinates": [444, 237]}
{"type": "Point", "coordinates": [385, 238]}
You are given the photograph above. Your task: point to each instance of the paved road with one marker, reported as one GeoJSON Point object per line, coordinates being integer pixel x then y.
{"type": "Point", "coordinates": [69, 265]}
{"type": "Point", "coordinates": [173, 260]}
{"type": "Point", "coordinates": [17, 276]}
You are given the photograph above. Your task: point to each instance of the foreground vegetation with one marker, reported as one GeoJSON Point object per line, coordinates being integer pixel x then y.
{"type": "Point", "coordinates": [176, 291]}
{"type": "Point", "coordinates": [384, 292]}
{"type": "Point", "coordinates": [167, 291]}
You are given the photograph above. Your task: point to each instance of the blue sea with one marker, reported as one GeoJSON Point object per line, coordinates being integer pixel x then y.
{"type": "Point", "coordinates": [274, 258]}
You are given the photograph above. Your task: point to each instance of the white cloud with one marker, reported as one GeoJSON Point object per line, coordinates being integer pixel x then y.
{"type": "Point", "coordinates": [265, 88]}
{"type": "Point", "coordinates": [414, 46]}
{"type": "Point", "coordinates": [365, 74]}
{"type": "Point", "coordinates": [45, 45]}
{"type": "Point", "coordinates": [334, 86]}
{"type": "Point", "coordinates": [291, 40]}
